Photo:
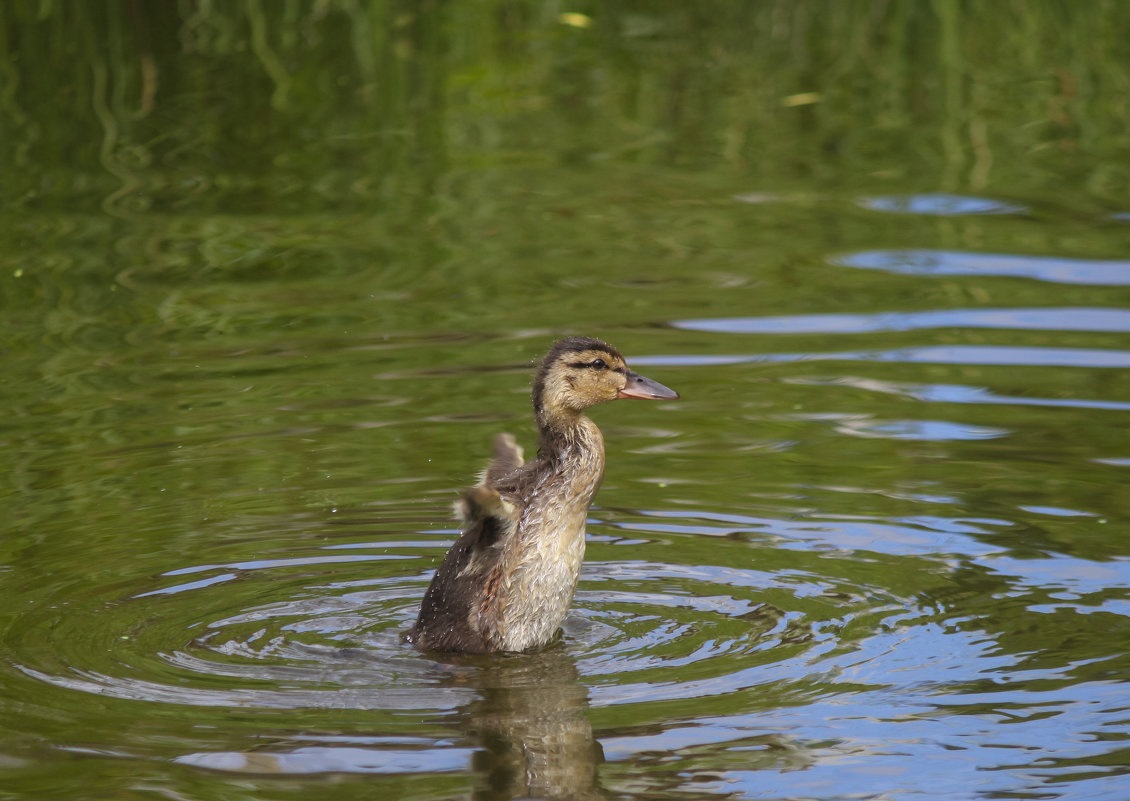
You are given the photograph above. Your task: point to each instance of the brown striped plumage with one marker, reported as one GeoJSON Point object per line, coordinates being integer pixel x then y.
{"type": "Point", "coordinates": [507, 582]}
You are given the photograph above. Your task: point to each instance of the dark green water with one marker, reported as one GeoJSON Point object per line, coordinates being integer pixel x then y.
{"type": "Point", "coordinates": [273, 274]}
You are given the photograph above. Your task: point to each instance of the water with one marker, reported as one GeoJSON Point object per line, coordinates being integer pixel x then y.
{"type": "Point", "coordinates": [264, 311]}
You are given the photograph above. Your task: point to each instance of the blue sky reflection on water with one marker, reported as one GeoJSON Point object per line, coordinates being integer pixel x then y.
{"type": "Point", "coordinates": [1002, 355]}
{"type": "Point", "coordinates": [1049, 319]}
{"type": "Point", "coordinates": [956, 393]}
{"type": "Point", "coordinates": [939, 204]}
{"type": "Point", "coordinates": [1056, 269]}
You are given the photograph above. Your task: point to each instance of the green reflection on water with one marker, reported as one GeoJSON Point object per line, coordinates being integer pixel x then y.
{"type": "Point", "coordinates": [381, 107]}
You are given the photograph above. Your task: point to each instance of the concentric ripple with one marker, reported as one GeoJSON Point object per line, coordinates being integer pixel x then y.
{"type": "Point", "coordinates": [310, 631]}
{"type": "Point", "coordinates": [654, 631]}
{"type": "Point", "coordinates": [834, 625]}
{"type": "Point", "coordinates": [323, 646]}
{"type": "Point", "coordinates": [837, 621]}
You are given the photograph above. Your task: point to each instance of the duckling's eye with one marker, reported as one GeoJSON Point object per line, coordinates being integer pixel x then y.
{"type": "Point", "coordinates": [598, 364]}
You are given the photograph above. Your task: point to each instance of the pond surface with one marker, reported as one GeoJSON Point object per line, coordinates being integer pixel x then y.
{"type": "Point", "coordinates": [272, 284]}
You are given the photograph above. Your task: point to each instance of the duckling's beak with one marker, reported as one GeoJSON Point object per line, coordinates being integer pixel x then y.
{"type": "Point", "coordinates": [645, 389]}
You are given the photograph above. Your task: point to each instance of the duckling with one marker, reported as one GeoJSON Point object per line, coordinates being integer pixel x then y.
{"type": "Point", "coordinates": [508, 580]}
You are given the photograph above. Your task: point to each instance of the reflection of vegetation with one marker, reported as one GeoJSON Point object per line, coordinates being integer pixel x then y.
{"type": "Point", "coordinates": [345, 178]}
{"type": "Point", "coordinates": [216, 105]}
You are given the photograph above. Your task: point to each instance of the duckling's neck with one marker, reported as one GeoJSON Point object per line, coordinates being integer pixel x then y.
{"type": "Point", "coordinates": [572, 449]}
{"type": "Point", "coordinates": [562, 431]}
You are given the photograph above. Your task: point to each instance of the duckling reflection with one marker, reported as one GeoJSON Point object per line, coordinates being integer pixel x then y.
{"type": "Point", "coordinates": [507, 583]}
{"type": "Point", "coordinates": [532, 728]}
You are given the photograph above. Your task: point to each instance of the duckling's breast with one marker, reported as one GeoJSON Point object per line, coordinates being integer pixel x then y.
{"type": "Point", "coordinates": [551, 545]}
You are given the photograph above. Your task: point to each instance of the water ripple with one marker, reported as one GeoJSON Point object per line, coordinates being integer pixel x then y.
{"type": "Point", "coordinates": [855, 634]}
{"type": "Point", "coordinates": [857, 425]}
{"type": "Point", "coordinates": [1055, 269]}
{"type": "Point", "coordinates": [955, 393]}
{"type": "Point", "coordinates": [1050, 319]}
{"type": "Point", "coordinates": [937, 354]}
{"type": "Point", "coordinates": [653, 629]}
{"type": "Point", "coordinates": [382, 757]}
{"type": "Point", "coordinates": [938, 204]}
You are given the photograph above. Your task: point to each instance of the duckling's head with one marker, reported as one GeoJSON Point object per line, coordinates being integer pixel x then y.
{"type": "Point", "coordinates": [580, 372]}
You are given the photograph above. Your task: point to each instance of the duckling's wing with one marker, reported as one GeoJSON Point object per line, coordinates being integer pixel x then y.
{"type": "Point", "coordinates": [488, 513]}
{"type": "Point", "coordinates": [507, 458]}
{"type": "Point", "coordinates": [458, 607]}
